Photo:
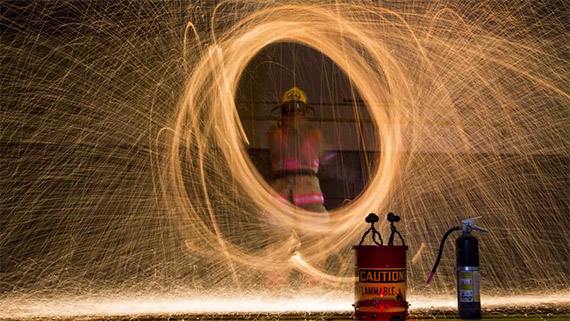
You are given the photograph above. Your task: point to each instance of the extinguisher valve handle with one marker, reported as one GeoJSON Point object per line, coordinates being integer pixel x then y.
{"type": "Point", "coordinates": [480, 229]}
{"type": "Point", "coordinates": [468, 225]}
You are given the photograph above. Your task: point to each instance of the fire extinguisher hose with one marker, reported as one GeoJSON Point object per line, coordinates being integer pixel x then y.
{"type": "Point", "coordinates": [453, 229]}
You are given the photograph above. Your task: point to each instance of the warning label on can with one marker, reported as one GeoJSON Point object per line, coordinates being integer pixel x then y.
{"type": "Point", "coordinates": [375, 284]}
{"type": "Point", "coordinates": [381, 276]}
{"type": "Point", "coordinates": [468, 285]}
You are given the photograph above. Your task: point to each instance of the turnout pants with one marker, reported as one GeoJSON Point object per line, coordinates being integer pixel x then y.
{"type": "Point", "coordinates": [304, 192]}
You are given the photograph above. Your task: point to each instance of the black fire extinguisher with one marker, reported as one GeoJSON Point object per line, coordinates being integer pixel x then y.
{"type": "Point", "coordinates": [467, 267]}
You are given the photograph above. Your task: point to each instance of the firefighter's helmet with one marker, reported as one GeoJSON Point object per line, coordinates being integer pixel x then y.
{"type": "Point", "coordinates": [294, 94]}
{"type": "Point", "coordinates": [294, 101]}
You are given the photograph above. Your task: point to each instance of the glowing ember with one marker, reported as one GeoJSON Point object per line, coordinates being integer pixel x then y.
{"type": "Point", "coordinates": [131, 305]}
{"type": "Point", "coordinates": [125, 165]}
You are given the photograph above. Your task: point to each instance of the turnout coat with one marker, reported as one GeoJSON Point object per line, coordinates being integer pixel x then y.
{"type": "Point", "coordinates": [295, 147]}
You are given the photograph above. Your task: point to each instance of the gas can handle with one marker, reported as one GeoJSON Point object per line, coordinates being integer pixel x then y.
{"type": "Point", "coordinates": [393, 218]}
{"type": "Point", "coordinates": [372, 218]}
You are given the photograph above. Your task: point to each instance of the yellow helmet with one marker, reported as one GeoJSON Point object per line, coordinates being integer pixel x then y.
{"type": "Point", "coordinates": [294, 102]}
{"type": "Point", "coordinates": [294, 94]}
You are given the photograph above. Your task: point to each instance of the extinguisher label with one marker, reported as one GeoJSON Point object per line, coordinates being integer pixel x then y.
{"type": "Point", "coordinates": [476, 294]}
{"type": "Point", "coordinates": [468, 286]}
{"type": "Point", "coordinates": [381, 284]}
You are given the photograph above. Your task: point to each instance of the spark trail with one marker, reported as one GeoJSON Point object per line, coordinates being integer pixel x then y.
{"type": "Point", "coordinates": [124, 156]}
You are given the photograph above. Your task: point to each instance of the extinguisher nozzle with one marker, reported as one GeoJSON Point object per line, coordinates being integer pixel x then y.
{"type": "Point", "coordinates": [430, 277]}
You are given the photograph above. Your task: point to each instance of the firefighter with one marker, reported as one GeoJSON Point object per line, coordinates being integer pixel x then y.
{"type": "Point", "coordinates": [295, 148]}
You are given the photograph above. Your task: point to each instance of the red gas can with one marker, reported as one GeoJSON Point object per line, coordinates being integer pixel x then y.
{"type": "Point", "coordinates": [380, 286]}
